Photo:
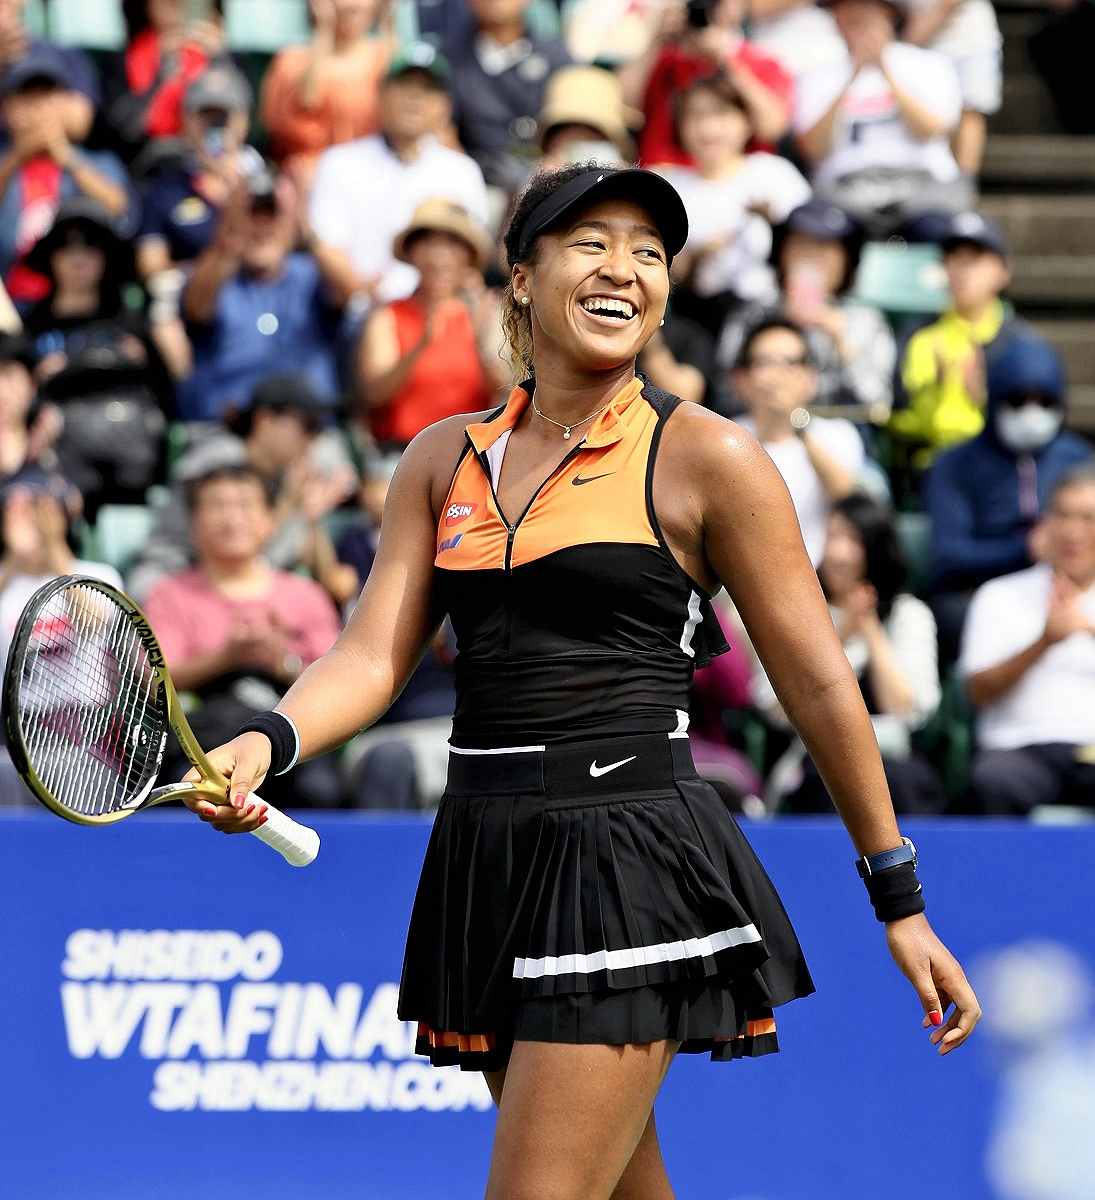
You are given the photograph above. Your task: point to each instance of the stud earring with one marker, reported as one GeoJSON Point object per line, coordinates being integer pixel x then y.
{"type": "Point", "coordinates": [525, 300]}
{"type": "Point", "coordinates": [661, 322]}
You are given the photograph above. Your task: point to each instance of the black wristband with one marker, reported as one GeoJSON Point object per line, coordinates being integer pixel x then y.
{"type": "Point", "coordinates": [284, 740]}
{"type": "Point", "coordinates": [895, 892]}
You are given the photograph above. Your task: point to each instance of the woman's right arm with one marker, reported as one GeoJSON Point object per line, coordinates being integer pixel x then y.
{"type": "Point", "coordinates": [384, 370]}
{"type": "Point", "coordinates": [358, 678]}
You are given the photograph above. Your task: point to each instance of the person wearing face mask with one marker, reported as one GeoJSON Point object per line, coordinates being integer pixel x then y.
{"type": "Point", "coordinates": [986, 495]}
{"type": "Point", "coordinates": [1028, 659]}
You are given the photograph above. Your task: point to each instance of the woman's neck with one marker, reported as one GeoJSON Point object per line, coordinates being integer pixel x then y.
{"type": "Point", "coordinates": [505, 33]}
{"type": "Point", "coordinates": [568, 395]}
{"type": "Point", "coordinates": [722, 167]}
{"type": "Point", "coordinates": [75, 302]}
{"type": "Point", "coordinates": [238, 577]}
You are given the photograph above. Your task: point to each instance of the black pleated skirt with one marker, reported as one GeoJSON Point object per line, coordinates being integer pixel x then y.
{"type": "Point", "coordinates": [592, 893]}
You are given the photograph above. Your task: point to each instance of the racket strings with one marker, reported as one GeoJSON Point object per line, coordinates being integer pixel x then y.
{"type": "Point", "coordinates": [90, 703]}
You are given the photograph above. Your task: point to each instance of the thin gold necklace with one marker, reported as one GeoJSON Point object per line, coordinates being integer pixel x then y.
{"type": "Point", "coordinates": [559, 424]}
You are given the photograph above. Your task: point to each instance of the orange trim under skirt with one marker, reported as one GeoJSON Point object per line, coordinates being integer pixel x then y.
{"type": "Point", "coordinates": [753, 1029]}
{"type": "Point", "coordinates": [465, 1043]}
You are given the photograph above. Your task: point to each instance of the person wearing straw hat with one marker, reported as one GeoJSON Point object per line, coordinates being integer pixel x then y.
{"type": "Point", "coordinates": [588, 907]}
{"type": "Point", "coordinates": [585, 118]}
{"type": "Point", "coordinates": [434, 353]}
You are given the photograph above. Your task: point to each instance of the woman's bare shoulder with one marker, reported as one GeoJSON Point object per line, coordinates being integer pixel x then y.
{"type": "Point", "coordinates": [695, 439]}
{"type": "Point", "coordinates": [431, 458]}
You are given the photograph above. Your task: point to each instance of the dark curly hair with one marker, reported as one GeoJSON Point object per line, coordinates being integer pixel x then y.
{"type": "Point", "coordinates": [885, 569]}
{"type": "Point", "coordinates": [516, 322]}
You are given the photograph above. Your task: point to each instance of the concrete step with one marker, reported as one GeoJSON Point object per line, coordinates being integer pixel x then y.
{"type": "Point", "coordinates": [1081, 410]}
{"type": "Point", "coordinates": [1044, 225]}
{"type": "Point", "coordinates": [1075, 340]}
{"type": "Point", "coordinates": [1039, 163]}
{"type": "Point", "coordinates": [1059, 281]}
{"type": "Point", "coordinates": [1026, 108]}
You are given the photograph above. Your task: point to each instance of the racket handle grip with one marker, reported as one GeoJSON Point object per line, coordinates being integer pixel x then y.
{"type": "Point", "coordinates": [296, 843]}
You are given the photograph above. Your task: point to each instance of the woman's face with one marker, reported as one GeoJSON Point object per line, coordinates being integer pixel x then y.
{"type": "Point", "coordinates": [443, 262]}
{"type": "Point", "coordinates": [354, 18]}
{"type": "Point", "coordinates": [598, 287]}
{"type": "Point", "coordinates": [844, 561]}
{"type": "Point", "coordinates": [165, 16]}
{"type": "Point", "coordinates": [712, 129]}
{"type": "Point", "coordinates": [827, 260]}
{"type": "Point", "coordinates": [78, 265]}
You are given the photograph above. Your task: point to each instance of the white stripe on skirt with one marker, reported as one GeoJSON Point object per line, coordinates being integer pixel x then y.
{"type": "Point", "coordinates": [634, 956]}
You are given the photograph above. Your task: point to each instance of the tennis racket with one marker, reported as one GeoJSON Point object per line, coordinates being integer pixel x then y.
{"type": "Point", "coordinates": [87, 702]}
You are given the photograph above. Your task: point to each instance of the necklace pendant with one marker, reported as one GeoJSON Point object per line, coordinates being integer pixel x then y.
{"type": "Point", "coordinates": [566, 434]}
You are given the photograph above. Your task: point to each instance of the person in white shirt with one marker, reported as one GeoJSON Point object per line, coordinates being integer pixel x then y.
{"type": "Point", "coordinates": [877, 127]}
{"type": "Point", "coordinates": [365, 191]}
{"type": "Point", "coordinates": [1028, 659]}
{"type": "Point", "coordinates": [800, 33]}
{"type": "Point", "coordinates": [820, 463]}
{"type": "Point", "coordinates": [732, 198]}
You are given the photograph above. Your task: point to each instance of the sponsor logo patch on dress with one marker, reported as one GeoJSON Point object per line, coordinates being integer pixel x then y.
{"type": "Point", "coordinates": [456, 513]}
{"type": "Point", "coordinates": [451, 543]}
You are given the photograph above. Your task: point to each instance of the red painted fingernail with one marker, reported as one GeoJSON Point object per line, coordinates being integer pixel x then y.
{"type": "Point", "coordinates": [240, 797]}
{"type": "Point", "coordinates": [936, 1018]}
{"type": "Point", "coordinates": [263, 821]}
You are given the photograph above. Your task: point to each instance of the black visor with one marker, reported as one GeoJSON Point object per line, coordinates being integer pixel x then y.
{"type": "Point", "coordinates": [644, 188]}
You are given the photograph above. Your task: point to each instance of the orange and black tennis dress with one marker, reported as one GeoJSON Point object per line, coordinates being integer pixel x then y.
{"type": "Point", "coordinates": [582, 883]}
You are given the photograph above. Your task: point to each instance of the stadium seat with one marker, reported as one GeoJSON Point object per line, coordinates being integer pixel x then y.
{"type": "Point", "coordinates": [914, 537]}
{"type": "Point", "coordinates": [901, 279]}
{"type": "Point", "coordinates": [78, 23]}
{"type": "Point", "coordinates": [121, 531]}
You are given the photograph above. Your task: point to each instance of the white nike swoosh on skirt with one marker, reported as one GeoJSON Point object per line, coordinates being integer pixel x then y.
{"type": "Point", "coordinates": [595, 770]}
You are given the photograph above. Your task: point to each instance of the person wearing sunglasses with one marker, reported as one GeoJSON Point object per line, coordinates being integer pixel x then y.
{"type": "Point", "coordinates": [986, 495]}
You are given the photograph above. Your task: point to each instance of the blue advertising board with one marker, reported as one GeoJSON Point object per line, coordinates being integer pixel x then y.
{"type": "Point", "coordinates": [183, 1015]}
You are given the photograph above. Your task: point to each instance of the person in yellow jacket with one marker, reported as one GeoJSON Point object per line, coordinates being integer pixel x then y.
{"type": "Point", "coordinates": [943, 367]}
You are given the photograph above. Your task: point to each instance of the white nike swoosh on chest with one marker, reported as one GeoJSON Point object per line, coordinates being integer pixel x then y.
{"type": "Point", "coordinates": [596, 771]}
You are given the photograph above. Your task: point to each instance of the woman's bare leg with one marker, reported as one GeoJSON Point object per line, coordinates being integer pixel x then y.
{"type": "Point", "coordinates": [645, 1176]}
{"type": "Point", "coordinates": [576, 1123]}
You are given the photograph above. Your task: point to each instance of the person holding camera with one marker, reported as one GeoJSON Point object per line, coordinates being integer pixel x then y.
{"type": "Point", "coordinates": [711, 40]}
{"type": "Point", "coordinates": [254, 299]}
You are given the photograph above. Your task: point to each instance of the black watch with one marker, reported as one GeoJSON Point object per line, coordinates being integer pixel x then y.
{"type": "Point", "coordinates": [871, 864]}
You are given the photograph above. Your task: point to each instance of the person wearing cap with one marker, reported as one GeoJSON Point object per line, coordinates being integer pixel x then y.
{"type": "Point", "coordinates": [282, 434]}
{"type": "Point", "coordinates": [84, 91]}
{"type": "Point", "coordinates": [183, 196]}
{"type": "Point", "coordinates": [876, 128]}
{"type": "Point", "coordinates": [815, 253]}
{"type": "Point", "coordinates": [166, 51]}
{"type": "Point", "coordinates": [712, 39]}
{"type": "Point", "coordinates": [266, 290]}
{"type": "Point", "coordinates": [41, 166]}
{"type": "Point", "coordinates": [96, 360]}
{"type": "Point", "coordinates": [365, 191]}
{"type": "Point", "coordinates": [328, 91]}
{"type": "Point", "coordinates": [943, 367]}
{"type": "Point", "coordinates": [986, 495]}
{"type": "Point", "coordinates": [733, 199]}
{"type": "Point", "coordinates": [434, 353]}
{"type": "Point", "coordinates": [588, 907]}
{"type": "Point", "coordinates": [584, 119]}
{"type": "Point", "coordinates": [500, 70]}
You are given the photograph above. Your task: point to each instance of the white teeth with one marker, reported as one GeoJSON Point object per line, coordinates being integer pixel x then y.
{"type": "Point", "coordinates": [609, 305]}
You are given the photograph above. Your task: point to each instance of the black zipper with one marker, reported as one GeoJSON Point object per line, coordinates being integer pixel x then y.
{"type": "Point", "coordinates": [511, 529]}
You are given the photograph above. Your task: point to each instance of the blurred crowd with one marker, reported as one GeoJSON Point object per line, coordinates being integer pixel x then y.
{"type": "Point", "coordinates": [232, 294]}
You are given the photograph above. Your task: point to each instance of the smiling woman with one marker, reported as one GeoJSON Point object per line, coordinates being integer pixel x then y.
{"type": "Point", "coordinates": [588, 907]}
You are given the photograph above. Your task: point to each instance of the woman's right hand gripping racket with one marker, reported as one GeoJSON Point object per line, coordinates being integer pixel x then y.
{"type": "Point", "coordinates": [87, 702]}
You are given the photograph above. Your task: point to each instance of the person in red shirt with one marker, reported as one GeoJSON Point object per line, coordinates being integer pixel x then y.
{"type": "Point", "coordinates": [434, 354]}
{"type": "Point", "coordinates": [711, 40]}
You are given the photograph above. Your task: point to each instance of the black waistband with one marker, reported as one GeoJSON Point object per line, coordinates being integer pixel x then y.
{"type": "Point", "coordinates": [606, 765]}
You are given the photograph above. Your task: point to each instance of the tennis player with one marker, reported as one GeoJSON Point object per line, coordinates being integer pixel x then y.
{"type": "Point", "coordinates": [587, 907]}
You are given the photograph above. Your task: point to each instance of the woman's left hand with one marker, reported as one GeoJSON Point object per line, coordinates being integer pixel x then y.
{"type": "Point", "coordinates": [938, 979]}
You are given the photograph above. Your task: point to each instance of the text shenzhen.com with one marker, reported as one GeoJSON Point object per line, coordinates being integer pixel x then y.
{"type": "Point", "coordinates": [228, 1037]}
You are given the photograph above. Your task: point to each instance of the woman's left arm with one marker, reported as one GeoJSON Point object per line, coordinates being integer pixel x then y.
{"type": "Point", "coordinates": [749, 533]}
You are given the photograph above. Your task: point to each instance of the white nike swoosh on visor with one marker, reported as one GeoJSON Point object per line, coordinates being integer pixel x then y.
{"type": "Point", "coordinates": [595, 770]}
